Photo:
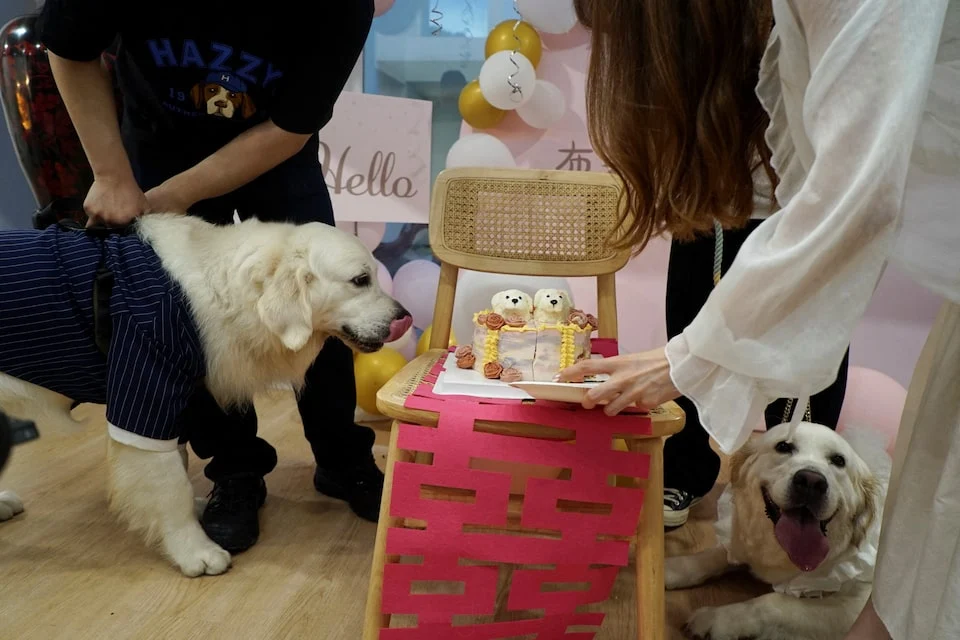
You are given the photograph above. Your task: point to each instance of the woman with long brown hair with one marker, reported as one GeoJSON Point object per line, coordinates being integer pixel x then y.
{"type": "Point", "coordinates": [706, 143]}
{"type": "Point", "coordinates": [854, 119]}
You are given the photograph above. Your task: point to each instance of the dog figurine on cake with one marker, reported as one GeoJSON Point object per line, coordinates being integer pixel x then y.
{"type": "Point", "coordinates": [551, 306]}
{"type": "Point", "coordinates": [513, 303]}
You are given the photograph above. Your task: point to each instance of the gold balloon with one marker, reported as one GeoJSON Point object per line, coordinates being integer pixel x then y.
{"type": "Point", "coordinates": [372, 371]}
{"type": "Point", "coordinates": [476, 111]}
{"type": "Point", "coordinates": [423, 344]}
{"type": "Point", "coordinates": [502, 39]}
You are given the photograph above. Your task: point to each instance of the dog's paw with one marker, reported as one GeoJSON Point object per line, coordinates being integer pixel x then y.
{"type": "Point", "coordinates": [10, 505]}
{"type": "Point", "coordinates": [720, 623]}
{"type": "Point", "coordinates": [196, 554]}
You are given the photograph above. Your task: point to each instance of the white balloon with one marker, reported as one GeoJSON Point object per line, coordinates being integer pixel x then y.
{"type": "Point", "coordinates": [549, 16]}
{"type": "Point", "coordinates": [495, 80]}
{"type": "Point", "coordinates": [545, 107]}
{"type": "Point", "coordinates": [384, 278]}
{"type": "Point", "coordinates": [475, 288]}
{"type": "Point", "coordinates": [415, 287]}
{"type": "Point", "coordinates": [480, 150]}
{"type": "Point", "coordinates": [406, 345]}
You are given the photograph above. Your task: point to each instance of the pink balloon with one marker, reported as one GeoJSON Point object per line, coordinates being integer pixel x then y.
{"type": "Point", "coordinates": [383, 276]}
{"type": "Point", "coordinates": [873, 401]}
{"type": "Point", "coordinates": [380, 7]}
{"type": "Point", "coordinates": [371, 233]}
{"type": "Point", "coordinates": [415, 287]}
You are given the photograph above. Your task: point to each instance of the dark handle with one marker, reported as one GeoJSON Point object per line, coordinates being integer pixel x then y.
{"type": "Point", "coordinates": [12, 433]}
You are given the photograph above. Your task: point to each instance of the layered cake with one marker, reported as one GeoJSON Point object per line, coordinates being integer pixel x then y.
{"type": "Point", "coordinates": [523, 338]}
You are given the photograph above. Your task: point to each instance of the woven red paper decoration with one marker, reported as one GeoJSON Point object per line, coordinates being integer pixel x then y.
{"type": "Point", "coordinates": [590, 548]}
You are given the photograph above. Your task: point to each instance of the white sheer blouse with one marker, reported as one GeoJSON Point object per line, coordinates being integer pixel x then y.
{"type": "Point", "coordinates": [864, 101]}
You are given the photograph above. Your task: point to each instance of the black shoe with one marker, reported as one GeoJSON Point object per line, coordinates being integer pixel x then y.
{"type": "Point", "coordinates": [361, 486]}
{"type": "Point", "coordinates": [231, 519]}
{"type": "Point", "coordinates": [676, 507]}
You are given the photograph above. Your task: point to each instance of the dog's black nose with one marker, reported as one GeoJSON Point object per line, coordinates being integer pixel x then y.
{"type": "Point", "coordinates": [515, 300]}
{"type": "Point", "coordinates": [809, 485]}
{"type": "Point", "coordinates": [554, 301]}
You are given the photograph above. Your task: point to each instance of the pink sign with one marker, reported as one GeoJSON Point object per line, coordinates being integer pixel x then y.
{"type": "Point", "coordinates": [376, 155]}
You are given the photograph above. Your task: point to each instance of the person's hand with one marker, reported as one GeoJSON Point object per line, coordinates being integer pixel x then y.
{"type": "Point", "coordinates": [114, 202]}
{"type": "Point", "coordinates": [166, 199]}
{"type": "Point", "coordinates": [641, 379]}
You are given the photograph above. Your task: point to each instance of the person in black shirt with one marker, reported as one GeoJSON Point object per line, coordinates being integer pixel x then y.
{"type": "Point", "coordinates": [222, 102]}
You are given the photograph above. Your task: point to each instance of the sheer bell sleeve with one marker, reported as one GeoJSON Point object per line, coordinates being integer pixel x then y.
{"type": "Point", "coordinates": [779, 322]}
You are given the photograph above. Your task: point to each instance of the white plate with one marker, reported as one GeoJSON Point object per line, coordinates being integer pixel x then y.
{"type": "Point", "coordinates": [467, 382]}
{"type": "Point", "coordinates": [573, 392]}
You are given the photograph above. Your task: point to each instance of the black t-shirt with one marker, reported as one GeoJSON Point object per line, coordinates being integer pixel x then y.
{"type": "Point", "coordinates": [195, 74]}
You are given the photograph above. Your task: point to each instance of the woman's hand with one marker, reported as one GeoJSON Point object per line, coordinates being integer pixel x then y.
{"type": "Point", "coordinates": [115, 202]}
{"type": "Point", "coordinates": [641, 379]}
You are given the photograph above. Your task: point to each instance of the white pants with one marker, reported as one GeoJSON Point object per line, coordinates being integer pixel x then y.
{"type": "Point", "coordinates": [917, 587]}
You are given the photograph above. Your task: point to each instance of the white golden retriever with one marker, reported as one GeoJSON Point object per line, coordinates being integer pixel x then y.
{"type": "Point", "coordinates": [265, 297]}
{"type": "Point", "coordinates": [802, 515]}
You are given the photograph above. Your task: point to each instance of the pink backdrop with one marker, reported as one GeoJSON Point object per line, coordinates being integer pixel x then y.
{"type": "Point", "coordinates": [888, 339]}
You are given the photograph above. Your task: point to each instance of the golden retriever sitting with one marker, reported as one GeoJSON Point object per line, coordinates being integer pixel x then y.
{"type": "Point", "coordinates": [802, 515]}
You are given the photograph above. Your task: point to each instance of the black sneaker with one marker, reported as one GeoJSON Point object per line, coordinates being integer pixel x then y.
{"type": "Point", "coordinates": [360, 486]}
{"type": "Point", "coordinates": [231, 519]}
{"type": "Point", "coordinates": [676, 507]}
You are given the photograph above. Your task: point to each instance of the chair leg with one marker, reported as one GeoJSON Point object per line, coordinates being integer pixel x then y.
{"type": "Point", "coordinates": [374, 621]}
{"type": "Point", "coordinates": [443, 307]}
{"type": "Point", "coordinates": [607, 305]}
{"type": "Point", "coordinates": [651, 599]}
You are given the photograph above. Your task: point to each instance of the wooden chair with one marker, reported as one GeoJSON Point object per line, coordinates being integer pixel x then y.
{"type": "Point", "coordinates": [529, 223]}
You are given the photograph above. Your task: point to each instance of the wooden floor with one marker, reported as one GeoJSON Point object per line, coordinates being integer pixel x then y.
{"type": "Point", "coordinates": [68, 570]}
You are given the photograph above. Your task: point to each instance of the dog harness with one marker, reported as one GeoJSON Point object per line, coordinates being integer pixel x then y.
{"type": "Point", "coordinates": [96, 318]}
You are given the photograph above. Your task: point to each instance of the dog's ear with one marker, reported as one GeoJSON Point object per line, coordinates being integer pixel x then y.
{"type": "Point", "coordinates": [247, 108]}
{"type": "Point", "coordinates": [863, 518]}
{"type": "Point", "coordinates": [284, 305]}
{"type": "Point", "coordinates": [738, 462]}
{"type": "Point", "coordinates": [196, 94]}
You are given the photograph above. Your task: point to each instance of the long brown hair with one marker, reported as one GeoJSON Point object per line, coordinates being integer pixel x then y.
{"type": "Point", "coordinates": [672, 110]}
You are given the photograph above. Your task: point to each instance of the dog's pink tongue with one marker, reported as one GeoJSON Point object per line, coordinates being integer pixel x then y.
{"type": "Point", "coordinates": [799, 533]}
{"type": "Point", "coordinates": [399, 327]}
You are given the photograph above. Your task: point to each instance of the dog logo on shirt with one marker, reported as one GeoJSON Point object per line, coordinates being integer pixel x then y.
{"type": "Point", "coordinates": [223, 95]}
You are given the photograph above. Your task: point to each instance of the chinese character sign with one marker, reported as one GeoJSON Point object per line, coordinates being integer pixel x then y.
{"type": "Point", "coordinates": [376, 157]}
{"type": "Point", "coordinates": [576, 158]}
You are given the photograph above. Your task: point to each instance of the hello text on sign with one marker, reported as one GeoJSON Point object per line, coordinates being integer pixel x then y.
{"type": "Point", "coordinates": [376, 158]}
